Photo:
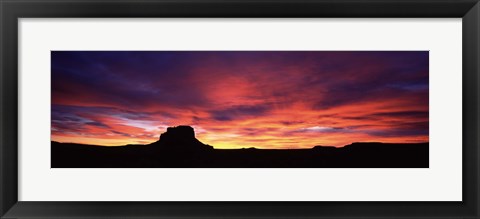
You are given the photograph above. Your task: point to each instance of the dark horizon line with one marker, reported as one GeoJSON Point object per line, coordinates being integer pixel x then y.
{"type": "Point", "coordinates": [313, 147]}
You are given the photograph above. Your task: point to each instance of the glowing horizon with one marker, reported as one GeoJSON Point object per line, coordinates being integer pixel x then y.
{"type": "Point", "coordinates": [241, 99]}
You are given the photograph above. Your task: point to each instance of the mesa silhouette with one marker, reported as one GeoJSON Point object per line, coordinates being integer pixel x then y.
{"type": "Point", "coordinates": [178, 148]}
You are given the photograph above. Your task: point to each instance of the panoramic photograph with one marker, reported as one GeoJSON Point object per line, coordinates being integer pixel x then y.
{"type": "Point", "coordinates": [239, 109]}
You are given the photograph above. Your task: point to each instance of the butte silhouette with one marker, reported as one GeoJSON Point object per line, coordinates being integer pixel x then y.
{"type": "Point", "coordinates": [179, 148]}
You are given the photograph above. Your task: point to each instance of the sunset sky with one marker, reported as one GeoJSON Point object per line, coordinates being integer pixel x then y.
{"type": "Point", "coordinates": [240, 99]}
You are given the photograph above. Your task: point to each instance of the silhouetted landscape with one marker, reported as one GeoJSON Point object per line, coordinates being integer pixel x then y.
{"type": "Point", "coordinates": [179, 148]}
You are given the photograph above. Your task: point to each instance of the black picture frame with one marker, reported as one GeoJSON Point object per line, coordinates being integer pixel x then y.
{"type": "Point", "coordinates": [12, 10]}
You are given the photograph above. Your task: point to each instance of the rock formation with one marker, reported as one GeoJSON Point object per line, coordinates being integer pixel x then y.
{"type": "Point", "coordinates": [181, 138]}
